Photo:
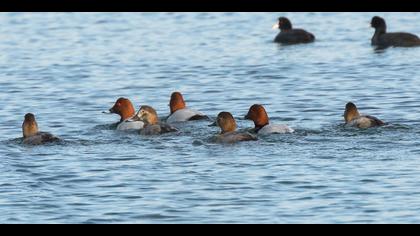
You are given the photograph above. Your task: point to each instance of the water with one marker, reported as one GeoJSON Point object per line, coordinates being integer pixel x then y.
{"type": "Point", "coordinates": [69, 67]}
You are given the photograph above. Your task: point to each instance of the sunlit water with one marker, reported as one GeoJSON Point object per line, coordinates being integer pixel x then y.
{"type": "Point", "coordinates": [68, 68]}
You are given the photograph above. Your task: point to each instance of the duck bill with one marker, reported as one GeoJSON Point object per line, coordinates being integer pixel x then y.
{"type": "Point", "coordinates": [112, 111]}
{"type": "Point", "coordinates": [246, 117]}
{"type": "Point", "coordinates": [275, 26]}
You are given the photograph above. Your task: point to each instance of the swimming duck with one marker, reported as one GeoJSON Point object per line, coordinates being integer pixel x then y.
{"type": "Point", "coordinates": [152, 125]}
{"type": "Point", "coordinates": [228, 132]}
{"type": "Point", "coordinates": [125, 109]}
{"type": "Point", "coordinates": [179, 111]}
{"type": "Point", "coordinates": [383, 39]}
{"type": "Point", "coordinates": [31, 134]}
{"type": "Point", "coordinates": [354, 119]}
{"type": "Point", "coordinates": [258, 114]}
{"type": "Point", "coordinates": [288, 35]}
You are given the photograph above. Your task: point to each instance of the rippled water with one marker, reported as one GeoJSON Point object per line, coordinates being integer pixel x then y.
{"type": "Point", "coordinates": [69, 67]}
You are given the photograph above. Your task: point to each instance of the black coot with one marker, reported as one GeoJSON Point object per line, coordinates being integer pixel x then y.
{"type": "Point", "coordinates": [382, 39]}
{"type": "Point", "coordinates": [288, 35]}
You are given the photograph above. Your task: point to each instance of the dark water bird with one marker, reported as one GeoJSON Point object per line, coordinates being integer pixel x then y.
{"type": "Point", "coordinates": [354, 119]}
{"type": "Point", "coordinates": [228, 133]}
{"type": "Point", "coordinates": [31, 133]}
{"type": "Point", "coordinates": [288, 35]}
{"type": "Point", "coordinates": [382, 39]}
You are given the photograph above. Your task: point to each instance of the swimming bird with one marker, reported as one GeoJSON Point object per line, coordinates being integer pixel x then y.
{"type": "Point", "coordinates": [31, 133]}
{"type": "Point", "coordinates": [354, 119]}
{"type": "Point", "coordinates": [179, 111]}
{"type": "Point", "coordinates": [125, 109]}
{"type": "Point", "coordinates": [288, 35]}
{"type": "Point", "coordinates": [258, 114]}
{"type": "Point", "coordinates": [152, 125]}
{"type": "Point", "coordinates": [228, 133]}
{"type": "Point", "coordinates": [382, 39]}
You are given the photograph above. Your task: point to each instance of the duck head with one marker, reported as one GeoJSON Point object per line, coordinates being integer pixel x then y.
{"type": "Point", "coordinates": [258, 114]}
{"type": "Point", "coordinates": [148, 115]}
{"type": "Point", "coordinates": [283, 24]}
{"type": "Point", "coordinates": [29, 126]}
{"type": "Point", "coordinates": [177, 102]}
{"type": "Point", "coordinates": [124, 108]}
{"type": "Point", "coordinates": [351, 112]}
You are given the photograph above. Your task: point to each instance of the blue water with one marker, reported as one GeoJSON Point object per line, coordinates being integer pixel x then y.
{"type": "Point", "coordinates": [69, 67]}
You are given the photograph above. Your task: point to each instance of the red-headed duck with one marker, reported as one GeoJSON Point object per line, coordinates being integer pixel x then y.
{"type": "Point", "coordinates": [258, 114]}
{"type": "Point", "coordinates": [180, 112]}
{"type": "Point", "coordinates": [355, 119]}
{"type": "Point", "coordinates": [228, 133]}
{"type": "Point", "coordinates": [125, 109]}
{"type": "Point", "coordinates": [288, 35]}
{"type": "Point", "coordinates": [152, 125]}
{"type": "Point", "coordinates": [383, 39]}
{"type": "Point", "coordinates": [31, 134]}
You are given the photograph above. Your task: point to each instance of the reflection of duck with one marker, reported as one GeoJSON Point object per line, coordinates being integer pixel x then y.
{"type": "Point", "coordinates": [354, 119]}
{"type": "Point", "coordinates": [179, 111]}
{"type": "Point", "coordinates": [288, 35]}
{"type": "Point", "coordinates": [383, 39]}
{"type": "Point", "coordinates": [125, 109]}
{"type": "Point", "coordinates": [152, 125]}
{"type": "Point", "coordinates": [229, 134]}
{"type": "Point", "coordinates": [258, 114]}
{"type": "Point", "coordinates": [31, 134]}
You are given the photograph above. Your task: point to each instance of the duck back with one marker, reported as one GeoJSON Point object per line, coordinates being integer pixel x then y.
{"type": "Point", "coordinates": [40, 138]}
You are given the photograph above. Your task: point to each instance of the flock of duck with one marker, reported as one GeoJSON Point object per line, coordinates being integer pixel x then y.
{"type": "Point", "coordinates": [147, 121]}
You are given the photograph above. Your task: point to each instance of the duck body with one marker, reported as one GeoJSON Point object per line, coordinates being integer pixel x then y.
{"type": "Point", "coordinates": [130, 125]}
{"type": "Point", "coordinates": [157, 129]}
{"type": "Point", "coordinates": [294, 36]}
{"type": "Point", "coordinates": [40, 138]}
{"type": "Point", "coordinates": [275, 129]}
{"type": "Point", "coordinates": [395, 40]}
{"type": "Point", "coordinates": [233, 137]}
{"type": "Point", "coordinates": [364, 122]}
{"type": "Point", "coordinates": [185, 114]}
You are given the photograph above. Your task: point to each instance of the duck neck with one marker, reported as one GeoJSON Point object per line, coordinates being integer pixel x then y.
{"type": "Point", "coordinates": [127, 114]}
{"type": "Point", "coordinates": [379, 31]}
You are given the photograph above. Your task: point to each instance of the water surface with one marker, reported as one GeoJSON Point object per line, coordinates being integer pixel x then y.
{"type": "Point", "coordinates": [69, 67]}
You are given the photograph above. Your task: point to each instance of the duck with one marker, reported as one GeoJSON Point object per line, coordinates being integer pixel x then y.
{"type": "Point", "coordinates": [152, 125]}
{"type": "Point", "coordinates": [382, 39]}
{"type": "Point", "coordinates": [31, 133]}
{"type": "Point", "coordinates": [258, 114]}
{"type": "Point", "coordinates": [125, 109]}
{"type": "Point", "coordinates": [354, 119]}
{"type": "Point", "coordinates": [288, 35]}
{"type": "Point", "coordinates": [179, 111]}
{"type": "Point", "coordinates": [228, 133]}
